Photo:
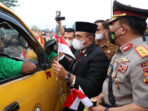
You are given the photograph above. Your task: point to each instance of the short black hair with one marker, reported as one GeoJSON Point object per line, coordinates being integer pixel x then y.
{"type": "Point", "coordinates": [104, 23]}
{"type": "Point", "coordinates": [137, 25]}
{"type": "Point", "coordinates": [69, 30]}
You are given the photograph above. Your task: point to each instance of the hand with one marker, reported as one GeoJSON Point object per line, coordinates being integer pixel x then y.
{"type": "Point", "coordinates": [59, 70]}
{"type": "Point", "coordinates": [96, 108]}
{"type": "Point", "coordinates": [99, 98]}
{"type": "Point", "coordinates": [59, 22]}
{"type": "Point", "coordinates": [61, 54]}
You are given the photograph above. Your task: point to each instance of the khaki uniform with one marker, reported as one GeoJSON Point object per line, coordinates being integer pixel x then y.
{"type": "Point", "coordinates": [129, 75]}
{"type": "Point", "coordinates": [109, 49]}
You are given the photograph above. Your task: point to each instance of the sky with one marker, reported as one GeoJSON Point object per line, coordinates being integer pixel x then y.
{"type": "Point", "coordinates": [41, 13]}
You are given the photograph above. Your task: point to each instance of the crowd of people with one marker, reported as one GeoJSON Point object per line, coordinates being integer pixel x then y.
{"type": "Point", "coordinates": [111, 64]}
{"type": "Point", "coordinates": [111, 61]}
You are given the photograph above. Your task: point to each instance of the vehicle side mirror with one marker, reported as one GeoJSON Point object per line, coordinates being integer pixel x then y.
{"type": "Point", "coordinates": [43, 63]}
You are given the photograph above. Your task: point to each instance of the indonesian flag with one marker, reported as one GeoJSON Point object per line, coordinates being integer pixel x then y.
{"type": "Point", "coordinates": [75, 97]}
{"type": "Point", "coordinates": [63, 46]}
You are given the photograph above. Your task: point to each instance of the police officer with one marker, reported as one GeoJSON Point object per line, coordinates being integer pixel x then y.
{"type": "Point", "coordinates": [126, 88]}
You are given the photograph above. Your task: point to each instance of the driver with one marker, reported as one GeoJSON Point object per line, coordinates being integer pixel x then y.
{"type": "Point", "coordinates": [11, 68]}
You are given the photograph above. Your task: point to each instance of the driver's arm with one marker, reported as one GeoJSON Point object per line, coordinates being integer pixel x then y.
{"type": "Point", "coordinates": [28, 67]}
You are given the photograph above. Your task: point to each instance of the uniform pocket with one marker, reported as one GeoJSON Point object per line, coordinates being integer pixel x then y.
{"type": "Point", "coordinates": [121, 77]}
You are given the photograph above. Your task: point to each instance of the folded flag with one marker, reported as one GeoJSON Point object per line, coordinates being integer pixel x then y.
{"type": "Point", "coordinates": [63, 46]}
{"type": "Point", "coordinates": [75, 97]}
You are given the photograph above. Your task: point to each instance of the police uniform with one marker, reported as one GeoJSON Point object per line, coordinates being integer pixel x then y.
{"type": "Point", "coordinates": [129, 75]}
{"type": "Point", "coordinates": [127, 80]}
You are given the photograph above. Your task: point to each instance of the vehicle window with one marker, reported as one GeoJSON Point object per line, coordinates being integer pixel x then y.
{"type": "Point", "coordinates": [14, 44]}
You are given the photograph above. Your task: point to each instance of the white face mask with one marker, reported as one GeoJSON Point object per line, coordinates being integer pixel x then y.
{"type": "Point", "coordinates": [78, 44]}
{"type": "Point", "coordinates": [99, 36]}
{"type": "Point", "coordinates": [69, 43]}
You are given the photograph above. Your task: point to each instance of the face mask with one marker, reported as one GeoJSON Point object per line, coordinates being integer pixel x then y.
{"type": "Point", "coordinates": [78, 44]}
{"type": "Point", "coordinates": [112, 36]}
{"type": "Point", "coordinates": [69, 43]}
{"type": "Point", "coordinates": [99, 36]}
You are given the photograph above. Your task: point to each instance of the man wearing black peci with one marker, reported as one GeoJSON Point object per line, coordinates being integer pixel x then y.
{"type": "Point", "coordinates": [89, 68]}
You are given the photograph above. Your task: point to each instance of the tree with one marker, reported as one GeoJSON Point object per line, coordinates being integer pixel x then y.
{"type": "Point", "coordinates": [9, 3]}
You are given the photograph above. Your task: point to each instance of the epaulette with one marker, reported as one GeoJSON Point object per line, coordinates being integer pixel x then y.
{"type": "Point", "coordinates": [142, 51]}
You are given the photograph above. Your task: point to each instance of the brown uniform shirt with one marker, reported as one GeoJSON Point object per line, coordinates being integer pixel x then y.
{"type": "Point", "coordinates": [109, 49]}
{"type": "Point", "coordinates": [130, 74]}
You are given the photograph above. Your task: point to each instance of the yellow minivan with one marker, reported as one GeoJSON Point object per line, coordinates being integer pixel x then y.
{"type": "Point", "coordinates": [34, 92]}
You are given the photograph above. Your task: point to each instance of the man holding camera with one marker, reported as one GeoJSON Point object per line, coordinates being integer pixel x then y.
{"type": "Point", "coordinates": [68, 33]}
{"type": "Point", "coordinates": [89, 68]}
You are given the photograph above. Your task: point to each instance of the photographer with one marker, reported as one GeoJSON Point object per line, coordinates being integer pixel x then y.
{"type": "Point", "coordinates": [68, 34]}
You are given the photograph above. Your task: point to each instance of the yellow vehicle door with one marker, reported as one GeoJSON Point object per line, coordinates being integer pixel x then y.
{"type": "Point", "coordinates": [35, 92]}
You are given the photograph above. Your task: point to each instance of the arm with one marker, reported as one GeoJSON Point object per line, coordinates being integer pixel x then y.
{"type": "Point", "coordinates": [92, 83]}
{"type": "Point", "coordinates": [128, 107]}
{"type": "Point", "coordinates": [61, 29]}
{"type": "Point", "coordinates": [28, 67]}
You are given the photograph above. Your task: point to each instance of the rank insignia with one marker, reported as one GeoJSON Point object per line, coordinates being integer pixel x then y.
{"type": "Point", "coordinates": [145, 78]}
{"type": "Point", "coordinates": [142, 51]}
{"type": "Point", "coordinates": [127, 47]}
{"type": "Point", "coordinates": [125, 59]}
{"type": "Point", "coordinates": [122, 68]}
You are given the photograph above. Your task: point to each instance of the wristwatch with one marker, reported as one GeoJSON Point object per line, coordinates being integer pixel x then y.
{"type": "Point", "coordinates": [106, 109]}
{"type": "Point", "coordinates": [67, 78]}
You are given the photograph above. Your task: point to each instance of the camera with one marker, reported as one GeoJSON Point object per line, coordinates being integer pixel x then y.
{"type": "Point", "coordinates": [59, 18]}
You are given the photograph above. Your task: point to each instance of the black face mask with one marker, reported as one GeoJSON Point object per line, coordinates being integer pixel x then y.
{"type": "Point", "coordinates": [112, 36]}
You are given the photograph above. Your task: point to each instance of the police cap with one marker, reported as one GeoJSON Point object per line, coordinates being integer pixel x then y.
{"type": "Point", "coordinates": [121, 10]}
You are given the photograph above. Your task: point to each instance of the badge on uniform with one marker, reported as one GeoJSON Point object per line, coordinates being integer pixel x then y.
{"type": "Point", "coordinates": [109, 70]}
{"type": "Point", "coordinates": [145, 78]}
{"type": "Point", "coordinates": [145, 66]}
{"type": "Point", "coordinates": [142, 51]}
{"type": "Point", "coordinates": [127, 47]}
{"type": "Point", "coordinates": [122, 68]}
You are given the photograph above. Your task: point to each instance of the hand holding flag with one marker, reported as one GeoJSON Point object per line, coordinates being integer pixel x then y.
{"type": "Point", "coordinates": [75, 97]}
{"type": "Point", "coordinates": [63, 46]}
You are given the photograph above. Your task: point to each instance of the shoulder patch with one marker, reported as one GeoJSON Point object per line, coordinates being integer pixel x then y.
{"type": "Point", "coordinates": [145, 78]}
{"type": "Point", "coordinates": [142, 51]}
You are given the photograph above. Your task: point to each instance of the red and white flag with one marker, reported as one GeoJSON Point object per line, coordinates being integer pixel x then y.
{"type": "Point", "coordinates": [75, 97]}
{"type": "Point", "coordinates": [63, 46]}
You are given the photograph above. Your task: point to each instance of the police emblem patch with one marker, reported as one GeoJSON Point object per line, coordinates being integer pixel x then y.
{"type": "Point", "coordinates": [145, 78]}
{"type": "Point", "coordinates": [142, 51]}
